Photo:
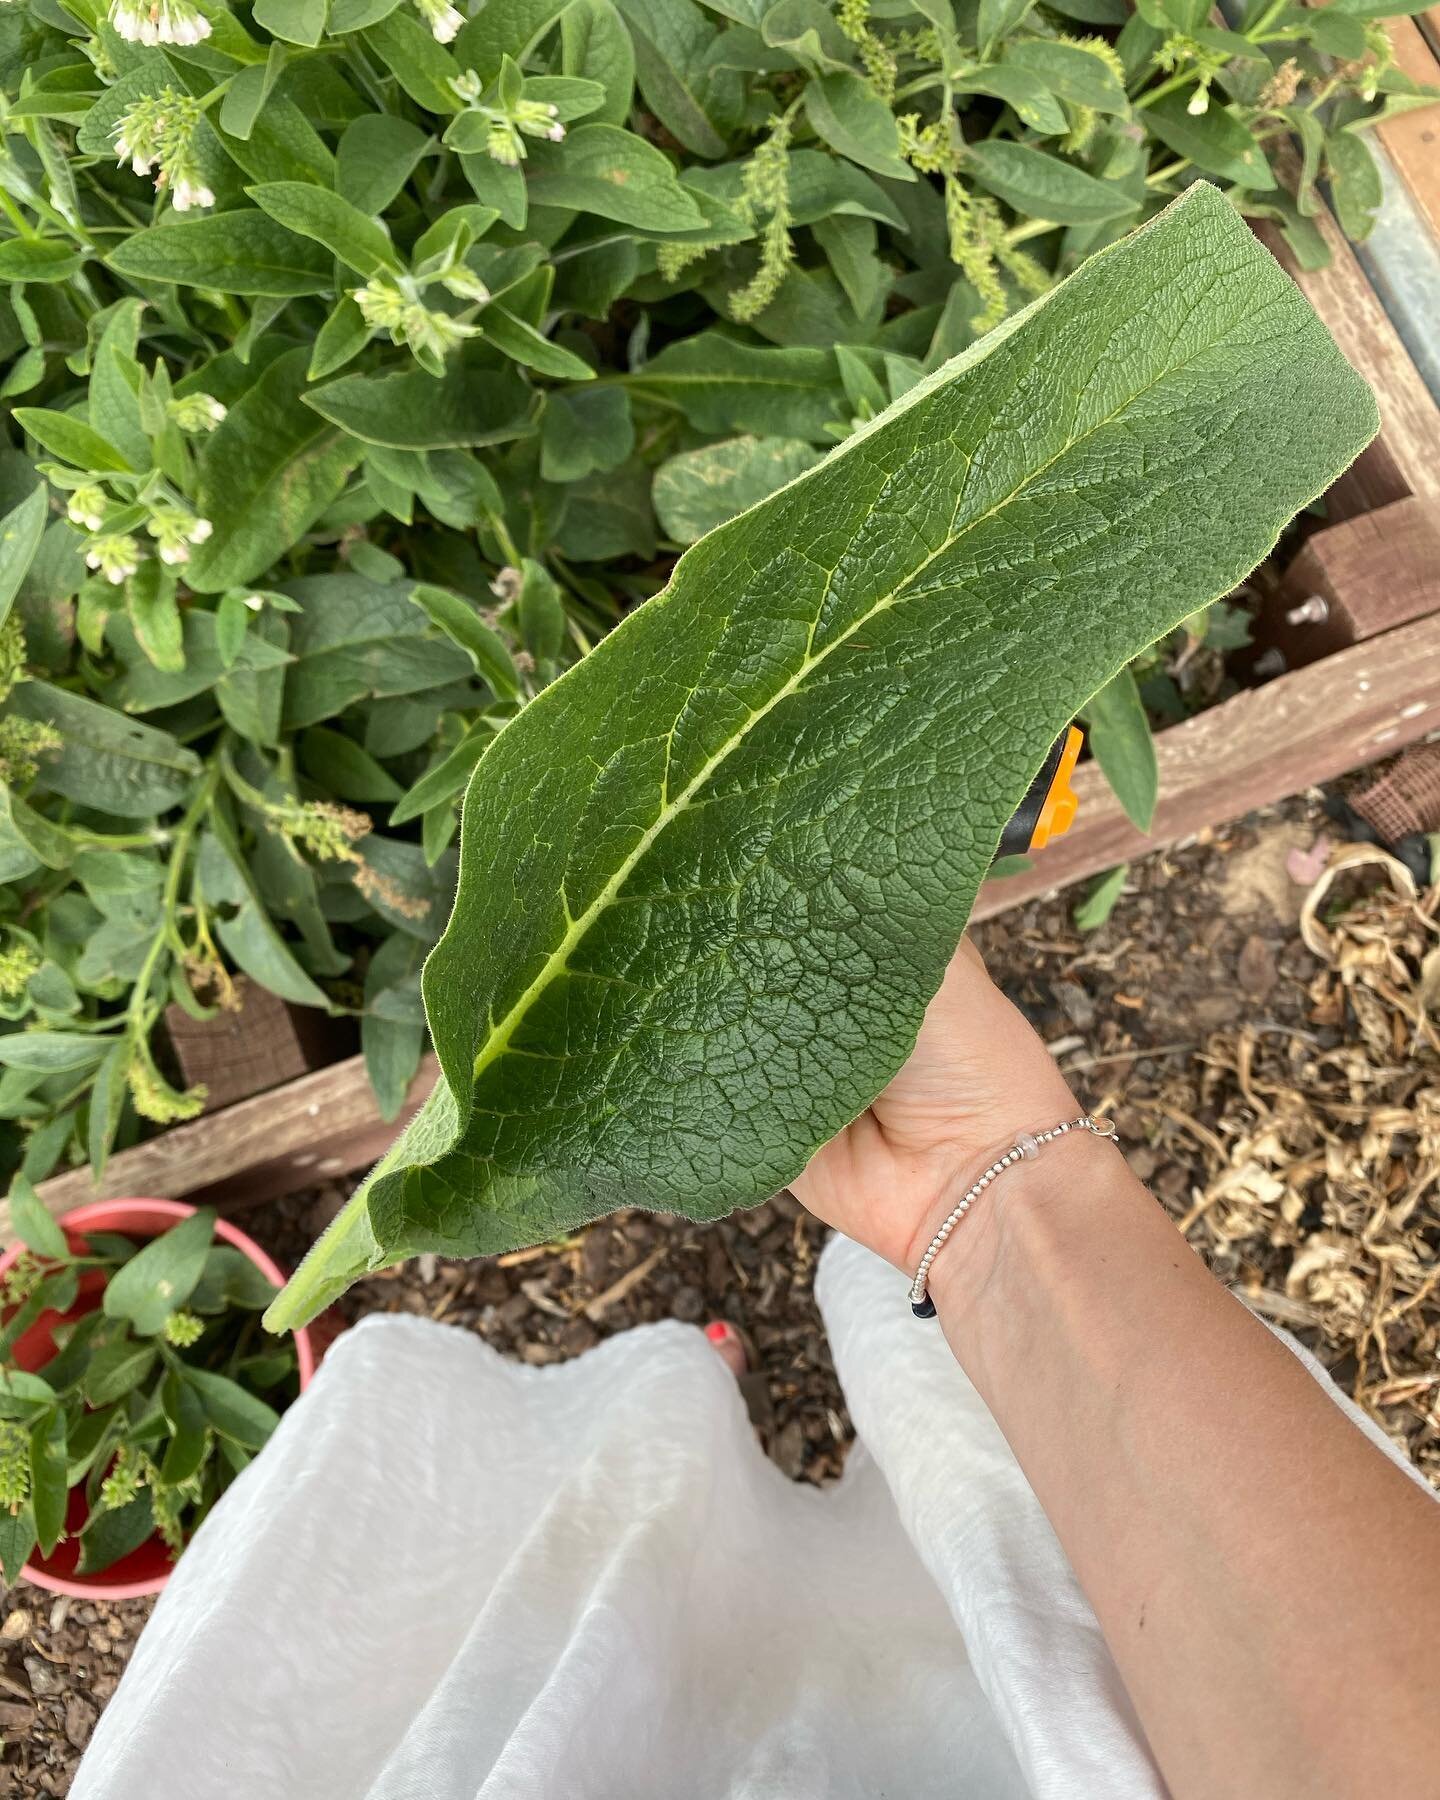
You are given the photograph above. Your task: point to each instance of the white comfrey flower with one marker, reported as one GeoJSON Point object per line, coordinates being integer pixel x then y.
{"type": "Point", "coordinates": [159, 21]}
{"type": "Point", "coordinates": [443, 19]}
{"type": "Point", "coordinates": [509, 126]}
{"type": "Point", "coordinates": [187, 193]}
{"type": "Point", "coordinates": [536, 118]}
{"type": "Point", "coordinates": [157, 135]}
{"type": "Point", "coordinates": [395, 306]}
{"type": "Point", "coordinates": [125, 152]}
{"type": "Point", "coordinates": [196, 413]}
{"type": "Point", "coordinates": [437, 331]}
{"type": "Point", "coordinates": [505, 139]}
{"type": "Point", "coordinates": [255, 602]}
{"type": "Point", "coordinates": [381, 303]}
{"type": "Point", "coordinates": [116, 557]}
{"type": "Point", "coordinates": [503, 143]}
{"type": "Point", "coordinates": [1199, 101]}
{"type": "Point", "coordinates": [465, 284]}
{"type": "Point", "coordinates": [141, 132]}
{"type": "Point", "coordinates": [87, 507]}
{"type": "Point", "coordinates": [175, 532]}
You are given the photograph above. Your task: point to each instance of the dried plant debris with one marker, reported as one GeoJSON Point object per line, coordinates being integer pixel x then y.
{"type": "Point", "coordinates": [1320, 1149]}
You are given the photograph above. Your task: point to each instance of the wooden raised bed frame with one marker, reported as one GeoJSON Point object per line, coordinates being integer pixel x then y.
{"type": "Point", "coordinates": [1363, 682]}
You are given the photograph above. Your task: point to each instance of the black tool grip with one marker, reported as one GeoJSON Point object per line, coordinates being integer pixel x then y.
{"type": "Point", "coordinates": [1015, 838]}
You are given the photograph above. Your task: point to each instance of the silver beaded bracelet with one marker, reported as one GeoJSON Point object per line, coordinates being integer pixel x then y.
{"type": "Point", "coordinates": [1026, 1145]}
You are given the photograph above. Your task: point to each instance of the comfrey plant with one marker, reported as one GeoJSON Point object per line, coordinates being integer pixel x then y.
{"type": "Point", "coordinates": [368, 361]}
{"type": "Point", "coordinates": [148, 1405]}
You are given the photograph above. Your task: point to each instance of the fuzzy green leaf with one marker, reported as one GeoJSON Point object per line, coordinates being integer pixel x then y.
{"type": "Point", "coordinates": [410, 410]}
{"type": "Point", "coordinates": [700, 489]}
{"type": "Point", "coordinates": [1355, 185]}
{"type": "Point", "coordinates": [71, 439]}
{"type": "Point", "coordinates": [106, 760]}
{"type": "Point", "coordinates": [342, 228]}
{"type": "Point", "coordinates": [354, 638]}
{"type": "Point", "coordinates": [1076, 75]}
{"type": "Point", "coordinates": [115, 1369]}
{"type": "Point", "coordinates": [721, 385]}
{"type": "Point", "coordinates": [596, 45]}
{"type": "Point", "coordinates": [424, 68]}
{"type": "Point", "coordinates": [159, 1279]}
{"type": "Point", "coordinates": [1099, 899]}
{"type": "Point", "coordinates": [38, 259]}
{"type": "Point", "coordinates": [1043, 186]}
{"type": "Point", "coordinates": [297, 21]}
{"type": "Point", "coordinates": [265, 475]}
{"type": "Point", "coordinates": [750, 825]}
{"type": "Point", "coordinates": [115, 1532]}
{"type": "Point", "coordinates": [1214, 140]}
{"type": "Point", "coordinates": [234, 1413]}
{"type": "Point", "coordinates": [17, 1540]}
{"type": "Point", "coordinates": [49, 1487]}
{"type": "Point", "coordinates": [809, 32]}
{"type": "Point", "coordinates": [852, 119]}
{"type": "Point", "coordinates": [377, 156]}
{"type": "Point", "coordinates": [524, 344]}
{"type": "Point", "coordinates": [1121, 741]}
{"type": "Point", "coordinates": [33, 1224]}
{"type": "Point", "coordinates": [460, 622]}
{"type": "Point", "coordinates": [20, 532]}
{"type": "Point", "coordinates": [584, 430]}
{"type": "Point", "coordinates": [248, 934]}
{"type": "Point", "coordinates": [233, 252]}
{"type": "Point", "coordinates": [1032, 99]}
{"type": "Point", "coordinates": [616, 175]}
{"type": "Point", "coordinates": [52, 1052]}
{"type": "Point", "coordinates": [343, 768]}
{"type": "Point", "coordinates": [697, 104]}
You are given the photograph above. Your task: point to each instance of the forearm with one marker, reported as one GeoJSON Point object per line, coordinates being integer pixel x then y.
{"type": "Point", "coordinates": [1265, 1578]}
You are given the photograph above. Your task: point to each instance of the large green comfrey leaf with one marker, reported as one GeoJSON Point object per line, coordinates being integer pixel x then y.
{"type": "Point", "coordinates": [711, 877]}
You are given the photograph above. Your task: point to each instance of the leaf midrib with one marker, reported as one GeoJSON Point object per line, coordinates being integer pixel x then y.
{"type": "Point", "coordinates": [498, 1041]}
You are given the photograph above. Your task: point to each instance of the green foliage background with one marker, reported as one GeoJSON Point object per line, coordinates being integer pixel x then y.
{"type": "Point", "coordinates": [366, 363]}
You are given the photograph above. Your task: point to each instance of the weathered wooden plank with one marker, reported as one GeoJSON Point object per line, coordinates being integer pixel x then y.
{"type": "Point", "coordinates": [1405, 458]}
{"type": "Point", "coordinates": [1373, 572]}
{"type": "Point", "coordinates": [242, 1050]}
{"type": "Point", "coordinates": [1252, 750]}
{"type": "Point", "coordinates": [322, 1125]}
{"type": "Point", "coordinates": [1412, 139]}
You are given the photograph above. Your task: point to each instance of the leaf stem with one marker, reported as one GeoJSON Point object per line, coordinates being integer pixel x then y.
{"type": "Point", "coordinates": [16, 217]}
{"type": "Point", "coordinates": [1183, 79]}
{"type": "Point", "coordinates": [1157, 177]}
{"type": "Point", "coordinates": [1030, 229]}
{"type": "Point", "coordinates": [139, 1016]}
{"type": "Point", "coordinates": [1265, 20]}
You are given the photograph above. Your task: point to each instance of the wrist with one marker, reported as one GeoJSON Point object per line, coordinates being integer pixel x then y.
{"type": "Point", "coordinates": [1015, 1229]}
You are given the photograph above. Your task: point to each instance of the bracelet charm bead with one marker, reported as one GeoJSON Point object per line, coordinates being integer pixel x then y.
{"type": "Point", "coordinates": [1025, 1147]}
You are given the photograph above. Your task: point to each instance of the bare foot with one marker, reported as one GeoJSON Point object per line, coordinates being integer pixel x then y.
{"type": "Point", "coordinates": [729, 1346]}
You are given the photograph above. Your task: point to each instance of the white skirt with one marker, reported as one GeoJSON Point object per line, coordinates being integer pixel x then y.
{"type": "Point", "coordinates": [452, 1577]}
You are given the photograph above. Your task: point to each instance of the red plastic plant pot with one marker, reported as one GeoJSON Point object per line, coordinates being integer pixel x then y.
{"type": "Point", "coordinates": [146, 1569]}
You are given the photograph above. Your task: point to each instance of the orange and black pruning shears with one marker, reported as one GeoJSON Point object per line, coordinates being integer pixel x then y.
{"type": "Point", "coordinates": [1050, 805]}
